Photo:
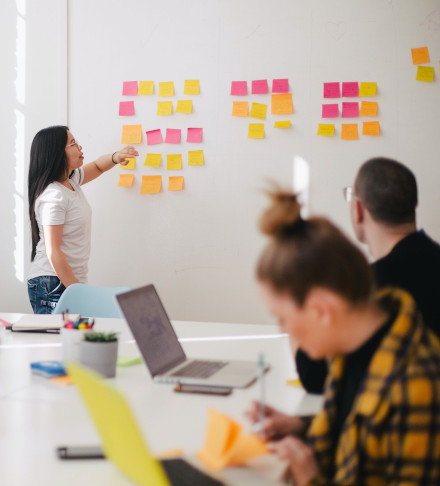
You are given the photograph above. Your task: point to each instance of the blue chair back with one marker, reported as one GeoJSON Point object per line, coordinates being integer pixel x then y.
{"type": "Point", "coordinates": [90, 301]}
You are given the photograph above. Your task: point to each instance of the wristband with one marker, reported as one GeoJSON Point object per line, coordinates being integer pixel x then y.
{"type": "Point", "coordinates": [112, 158]}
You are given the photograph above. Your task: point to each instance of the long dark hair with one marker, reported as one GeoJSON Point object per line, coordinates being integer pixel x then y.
{"type": "Point", "coordinates": [48, 164]}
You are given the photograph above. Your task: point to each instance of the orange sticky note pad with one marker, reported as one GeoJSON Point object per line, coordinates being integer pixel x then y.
{"type": "Point", "coordinates": [175, 183]}
{"type": "Point", "coordinates": [240, 108]}
{"type": "Point", "coordinates": [425, 73]}
{"type": "Point", "coordinates": [126, 180]}
{"type": "Point", "coordinates": [368, 108]}
{"type": "Point", "coordinates": [370, 128]}
{"type": "Point", "coordinates": [282, 104]}
{"type": "Point", "coordinates": [420, 55]}
{"type": "Point", "coordinates": [151, 184]}
{"type": "Point", "coordinates": [174, 161]}
{"type": "Point", "coordinates": [195, 157]}
{"type": "Point", "coordinates": [326, 129]}
{"type": "Point", "coordinates": [131, 134]}
{"type": "Point", "coordinates": [349, 131]}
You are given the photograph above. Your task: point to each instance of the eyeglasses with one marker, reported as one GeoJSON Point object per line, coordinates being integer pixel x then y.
{"type": "Point", "coordinates": [348, 193]}
{"type": "Point", "coordinates": [78, 145]}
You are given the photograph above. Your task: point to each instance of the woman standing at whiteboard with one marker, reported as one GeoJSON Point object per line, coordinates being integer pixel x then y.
{"type": "Point", "coordinates": [59, 213]}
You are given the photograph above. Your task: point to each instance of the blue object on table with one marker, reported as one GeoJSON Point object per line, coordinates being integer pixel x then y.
{"type": "Point", "coordinates": [48, 369]}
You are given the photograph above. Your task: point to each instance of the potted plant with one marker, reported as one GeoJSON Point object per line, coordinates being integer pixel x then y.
{"type": "Point", "coordinates": [99, 351]}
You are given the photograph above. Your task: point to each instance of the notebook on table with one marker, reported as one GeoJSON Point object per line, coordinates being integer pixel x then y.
{"type": "Point", "coordinates": [163, 353]}
{"type": "Point", "coordinates": [122, 441]}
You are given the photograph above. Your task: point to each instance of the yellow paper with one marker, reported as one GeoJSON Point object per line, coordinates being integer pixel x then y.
{"type": "Point", "coordinates": [368, 89]}
{"type": "Point", "coordinates": [326, 129]}
{"type": "Point", "coordinates": [295, 382]}
{"type": "Point", "coordinates": [126, 180]}
{"type": "Point", "coordinates": [153, 160]}
{"type": "Point", "coordinates": [368, 108]}
{"type": "Point", "coordinates": [349, 131]}
{"type": "Point", "coordinates": [425, 73]}
{"type": "Point", "coordinates": [258, 110]}
{"type": "Point", "coordinates": [195, 157]}
{"type": "Point", "coordinates": [191, 87]}
{"type": "Point", "coordinates": [166, 88]}
{"type": "Point", "coordinates": [370, 128]}
{"type": "Point", "coordinates": [420, 55]}
{"type": "Point", "coordinates": [240, 108]}
{"type": "Point", "coordinates": [131, 134]}
{"type": "Point", "coordinates": [131, 163]}
{"type": "Point", "coordinates": [184, 106]}
{"type": "Point", "coordinates": [282, 124]}
{"type": "Point", "coordinates": [174, 161]}
{"type": "Point", "coordinates": [151, 184]}
{"type": "Point", "coordinates": [164, 107]}
{"type": "Point", "coordinates": [175, 183]}
{"type": "Point", "coordinates": [146, 88]}
{"type": "Point", "coordinates": [256, 130]}
{"type": "Point", "coordinates": [282, 104]}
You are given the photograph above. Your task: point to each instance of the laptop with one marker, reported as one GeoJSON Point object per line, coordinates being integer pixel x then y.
{"type": "Point", "coordinates": [122, 441]}
{"type": "Point", "coordinates": [163, 353]}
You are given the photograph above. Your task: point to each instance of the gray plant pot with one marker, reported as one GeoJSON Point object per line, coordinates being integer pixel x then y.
{"type": "Point", "coordinates": [99, 356]}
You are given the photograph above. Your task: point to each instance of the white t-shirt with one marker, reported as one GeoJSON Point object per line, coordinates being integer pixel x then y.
{"type": "Point", "coordinates": [59, 205]}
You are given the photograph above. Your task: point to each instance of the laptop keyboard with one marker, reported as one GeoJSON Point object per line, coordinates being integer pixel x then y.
{"type": "Point", "coordinates": [181, 473]}
{"type": "Point", "coordinates": [200, 369]}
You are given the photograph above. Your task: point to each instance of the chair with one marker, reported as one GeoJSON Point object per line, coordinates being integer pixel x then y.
{"type": "Point", "coordinates": [90, 300]}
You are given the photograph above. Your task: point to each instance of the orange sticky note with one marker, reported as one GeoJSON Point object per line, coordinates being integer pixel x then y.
{"type": "Point", "coordinates": [131, 163]}
{"type": "Point", "coordinates": [175, 183]}
{"type": "Point", "coordinates": [164, 108]}
{"type": "Point", "coordinates": [420, 55]}
{"type": "Point", "coordinates": [166, 88]}
{"type": "Point", "coordinates": [146, 88]}
{"type": "Point", "coordinates": [151, 184]}
{"type": "Point", "coordinates": [153, 160]}
{"type": "Point", "coordinates": [65, 380]}
{"type": "Point", "coordinates": [191, 87]}
{"type": "Point", "coordinates": [370, 128]}
{"type": "Point", "coordinates": [326, 129]}
{"type": "Point", "coordinates": [126, 180]}
{"type": "Point", "coordinates": [425, 73]}
{"type": "Point", "coordinates": [195, 157]}
{"type": "Point", "coordinates": [368, 108]}
{"type": "Point", "coordinates": [174, 161]}
{"type": "Point", "coordinates": [282, 104]}
{"type": "Point", "coordinates": [240, 108]}
{"type": "Point", "coordinates": [256, 130]}
{"type": "Point", "coordinates": [131, 134]}
{"type": "Point", "coordinates": [349, 131]}
{"type": "Point", "coordinates": [258, 110]}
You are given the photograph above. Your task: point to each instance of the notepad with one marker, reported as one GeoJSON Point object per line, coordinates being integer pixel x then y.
{"type": "Point", "coordinates": [41, 322]}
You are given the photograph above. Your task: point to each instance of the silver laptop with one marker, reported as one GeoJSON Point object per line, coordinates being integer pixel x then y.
{"type": "Point", "coordinates": [163, 353]}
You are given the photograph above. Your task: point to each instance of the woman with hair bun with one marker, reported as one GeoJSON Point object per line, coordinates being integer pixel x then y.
{"type": "Point", "coordinates": [380, 422]}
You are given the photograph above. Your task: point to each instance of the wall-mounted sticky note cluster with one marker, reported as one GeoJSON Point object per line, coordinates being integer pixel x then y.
{"type": "Point", "coordinates": [134, 134]}
{"type": "Point", "coordinates": [349, 109]}
{"type": "Point", "coordinates": [281, 103]}
{"type": "Point", "coordinates": [420, 55]}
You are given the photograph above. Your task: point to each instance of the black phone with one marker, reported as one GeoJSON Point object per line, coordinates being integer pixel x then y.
{"type": "Point", "coordinates": [80, 452]}
{"type": "Point", "coordinates": [204, 389]}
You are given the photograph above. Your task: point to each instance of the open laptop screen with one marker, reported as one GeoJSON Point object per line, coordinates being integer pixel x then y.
{"type": "Point", "coordinates": [151, 328]}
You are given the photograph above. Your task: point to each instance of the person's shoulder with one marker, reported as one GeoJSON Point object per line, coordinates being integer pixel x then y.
{"type": "Point", "coordinates": [53, 193]}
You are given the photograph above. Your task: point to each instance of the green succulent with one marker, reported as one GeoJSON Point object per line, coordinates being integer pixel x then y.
{"type": "Point", "coordinates": [100, 337]}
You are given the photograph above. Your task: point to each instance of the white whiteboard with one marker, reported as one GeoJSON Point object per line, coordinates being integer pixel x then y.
{"type": "Point", "coordinates": [199, 247]}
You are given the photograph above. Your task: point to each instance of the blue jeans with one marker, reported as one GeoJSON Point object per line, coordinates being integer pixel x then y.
{"type": "Point", "coordinates": [44, 293]}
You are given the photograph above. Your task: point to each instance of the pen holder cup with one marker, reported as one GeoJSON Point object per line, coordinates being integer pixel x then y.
{"type": "Point", "coordinates": [70, 344]}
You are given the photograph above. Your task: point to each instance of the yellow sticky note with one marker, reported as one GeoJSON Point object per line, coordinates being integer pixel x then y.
{"type": "Point", "coordinates": [175, 183]}
{"type": "Point", "coordinates": [151, 184]}
{"type": "Point", "coordinates": [370, 128]}
{"type": "Point", "coordinates": [164, 107]}
{"type": "Point", "coordinates": [326, 129]}
{"type": "Point", "coordinates": [131, 163]}
{"type": "Point", "coordinates": [368, 108]}
{"type": "Point", "coordinates": [166, 88]}
{"type": "Point", "coordinates": [126, 180]}
{"type": "Point", "coordinates": [146, 88]}
{"type": "Point", "coordinates": [153, 160]}
{"type": "Point", "coordinates": [258, 110]}
{"type": "Point", "coordinates": [184, 106]}
{"type": "Point", "coordinates": [295, 382]}
{"type": "Point", "coordinates": [256, 130]}
{"type": "Point", "coordinates": [195, 157]}
{"type": "Point", "coordinates": [174, 161]}
{"type": "Point", "coordinates": [367, 89]}
{"type": "Point", "coordinates": [349, 131]}
{"type": "Point", "coordinates": [240, 108]}
{"type": "Point", "coordinates": [282, 124]}
{"type": "Point", "coordinates": [191, 87]}
{"type": "Point", "coordinates": [282, 104]}
{"type": "Point", "coordinates": [425, 73]}
{"type": "Point", "coordinates": [131, 134]}
{"type": "Point", "coordinates": [420, 55]}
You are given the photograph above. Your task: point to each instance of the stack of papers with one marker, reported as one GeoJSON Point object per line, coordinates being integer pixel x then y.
{"type": "Point", "coordinates": [40, 323]}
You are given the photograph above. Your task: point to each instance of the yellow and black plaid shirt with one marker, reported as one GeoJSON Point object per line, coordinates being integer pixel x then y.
{"type": "Point", "coordinates": [392, 433]}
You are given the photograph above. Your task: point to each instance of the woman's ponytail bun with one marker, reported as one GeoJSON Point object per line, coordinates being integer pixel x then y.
{"type": "Point", "coordinates": [283, 215]}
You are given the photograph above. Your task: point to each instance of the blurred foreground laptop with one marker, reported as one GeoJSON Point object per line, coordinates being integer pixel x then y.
{"type": "Point", "coordinates": [162, 352]}
{"type": "Point", "coordinates": [122, 441]}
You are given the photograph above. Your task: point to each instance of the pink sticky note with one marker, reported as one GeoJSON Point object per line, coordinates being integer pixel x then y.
{"type": "Point", "coordinates": [239, 88]}
{"type": "Point", "coordinates": [154, 137]}
{"type": "Point", "coordinates": [330, 110]}
{"type": "Point", "coordinates": [350, 110]}
{"type": "Point", "coordinates": [173, 135]}
{"type": "Point", "coordinates": [194, 135]}
{"type": "Point", "coordinates": [126, 108]}
{"type": "Point", "coordinates": [260, 86]}
{"type": "Point", "coordinates": [130, 88]}
{"type": "Point", "coordinates": [280, 86]}
{"type": "Point", "coordinates": [332, 90]}
{"type": "Point", "coordinates": [350, 90]}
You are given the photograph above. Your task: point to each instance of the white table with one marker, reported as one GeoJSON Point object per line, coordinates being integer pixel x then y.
{"type": "Point", "coordinates": [37, 415]}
